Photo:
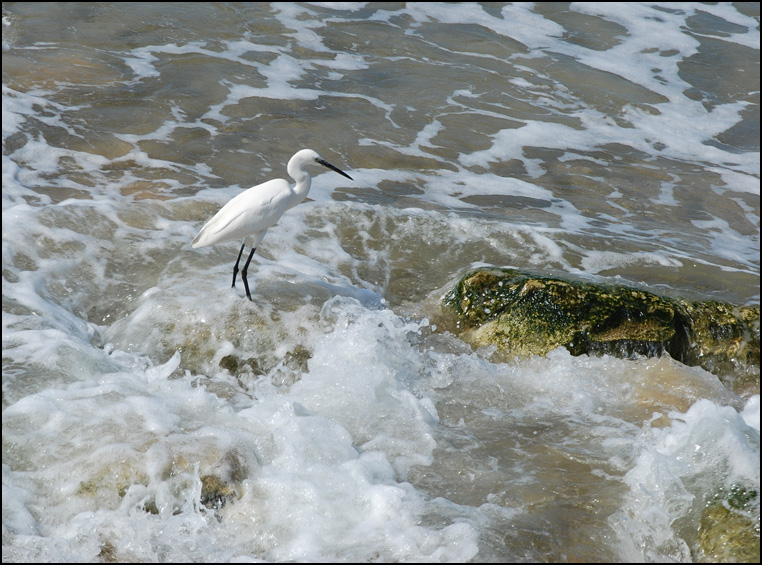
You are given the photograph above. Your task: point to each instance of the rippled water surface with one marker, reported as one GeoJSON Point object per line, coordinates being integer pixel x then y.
{"type": "Point", "coordinates": [606, 142]}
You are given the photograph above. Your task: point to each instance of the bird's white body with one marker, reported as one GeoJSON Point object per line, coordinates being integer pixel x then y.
{"type": "Point", "coordinates": [255, 210]}
{"type": "Point", "coordinates": [252, 212]}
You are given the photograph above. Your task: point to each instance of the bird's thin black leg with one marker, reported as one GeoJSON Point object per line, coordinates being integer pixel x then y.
{"type": "Point", "coordinates": [243, 273]}
{"type": "Point", "coordinates": [235, 269]}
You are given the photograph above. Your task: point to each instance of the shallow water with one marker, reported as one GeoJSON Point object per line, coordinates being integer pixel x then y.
{"type": "Point", "coordinates": [605, 142]}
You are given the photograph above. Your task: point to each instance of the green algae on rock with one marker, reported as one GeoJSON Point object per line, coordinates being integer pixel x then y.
{"type": "Point", "coordinates": [522, 314]}
{"type": "Point", "coordinates": [729, 528]}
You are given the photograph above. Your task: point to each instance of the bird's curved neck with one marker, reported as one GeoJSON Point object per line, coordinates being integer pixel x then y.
{"type": "Point", "coordinates": [302, 188]}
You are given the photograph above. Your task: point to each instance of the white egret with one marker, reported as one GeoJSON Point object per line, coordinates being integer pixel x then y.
{"type": "Point", "coordinates": [252, 212]}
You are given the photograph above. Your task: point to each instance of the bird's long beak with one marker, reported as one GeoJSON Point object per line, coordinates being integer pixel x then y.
{"type": "Point", "coordinates": [338, 170]}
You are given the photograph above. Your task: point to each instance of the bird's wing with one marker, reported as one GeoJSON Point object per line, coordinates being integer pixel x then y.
{"type": "Point", "coordinates": [252, 211]}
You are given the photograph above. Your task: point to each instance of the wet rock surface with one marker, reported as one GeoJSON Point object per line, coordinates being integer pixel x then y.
{"type": "Point", "coordinates": [523, 314]}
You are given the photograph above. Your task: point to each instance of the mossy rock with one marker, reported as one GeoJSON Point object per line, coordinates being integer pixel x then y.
{"type": "Point", "coordinates": [522, 314]}
{"type": "Point", "coordinates": [729, 528]}
{"type": "Point", "coordinates": [215, 492]}
{"type": "Point", "coordinates": [724, 338]}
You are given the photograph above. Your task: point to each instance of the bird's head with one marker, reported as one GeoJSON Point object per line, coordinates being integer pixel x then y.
{"type": "Point", "coordinates": [307, 156]}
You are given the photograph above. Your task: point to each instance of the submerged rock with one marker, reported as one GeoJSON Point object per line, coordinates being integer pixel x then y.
{"type": "Point", "coordinates": [729, 528]}
{"type": "Point", "coordinates": [521, 314]}
{"type": "Point", "coordinates": [215, 492]}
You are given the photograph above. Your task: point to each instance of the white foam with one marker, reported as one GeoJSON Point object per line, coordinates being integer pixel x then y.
{"type": "Point", "coordinates": [344, 425]}
{"type": "Point", "coordinates": [708, 450]}
{"type": "Point", "coordinates": [750, 412]}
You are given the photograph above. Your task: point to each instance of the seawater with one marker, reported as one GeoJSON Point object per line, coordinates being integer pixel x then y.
{"type": "Point", "coordinates": [608, 142]}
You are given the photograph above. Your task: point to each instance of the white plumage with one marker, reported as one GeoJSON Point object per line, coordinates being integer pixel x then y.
{"type": "Point", "coordinates": [252, 212]}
